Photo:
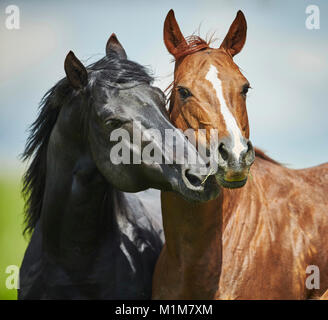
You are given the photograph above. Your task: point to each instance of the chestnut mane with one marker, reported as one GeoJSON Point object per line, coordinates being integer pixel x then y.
{"type": "Point", "coordinates": [261, 154]}
{"type": "Point", "coordinates": [191, 45]}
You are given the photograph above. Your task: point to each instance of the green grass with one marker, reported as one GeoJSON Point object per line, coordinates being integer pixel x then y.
{"type": "Point", "coordinates": [12, 243]}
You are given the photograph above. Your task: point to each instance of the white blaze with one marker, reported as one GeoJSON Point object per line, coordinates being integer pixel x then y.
{"type": "Point", "coordinates": [237, 138]}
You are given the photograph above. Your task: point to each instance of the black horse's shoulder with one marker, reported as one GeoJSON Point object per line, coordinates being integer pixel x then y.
{"type": "Point", "coordinates": [144, 209]}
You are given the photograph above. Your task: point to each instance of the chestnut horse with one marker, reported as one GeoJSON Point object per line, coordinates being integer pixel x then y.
{"type": "Point", "coordinates": [250, 243]}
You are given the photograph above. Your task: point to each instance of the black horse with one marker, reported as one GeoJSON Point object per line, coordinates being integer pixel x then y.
{"type": "Point", "coordinates": [90, 240]}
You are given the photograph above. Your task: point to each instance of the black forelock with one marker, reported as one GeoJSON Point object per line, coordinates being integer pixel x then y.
{"type": "Point", "coordinates": [114, 71]}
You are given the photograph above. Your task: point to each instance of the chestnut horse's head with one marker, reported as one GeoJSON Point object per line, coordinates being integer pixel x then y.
{"type": "Point", "coordinates": [209, 92]}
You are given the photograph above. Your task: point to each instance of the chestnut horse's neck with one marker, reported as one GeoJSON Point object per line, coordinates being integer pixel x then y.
{"type": "Point", "coordinates": [193, 240]}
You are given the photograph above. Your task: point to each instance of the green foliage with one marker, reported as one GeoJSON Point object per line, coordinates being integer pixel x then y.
{"type": "Point", "coordinates": [12, 242]}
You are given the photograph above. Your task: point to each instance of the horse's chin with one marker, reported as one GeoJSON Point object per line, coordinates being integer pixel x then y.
{"type": "Point", "coordinates": [206, 191]}
{"type": "Point", "coordinates": [230, 184]}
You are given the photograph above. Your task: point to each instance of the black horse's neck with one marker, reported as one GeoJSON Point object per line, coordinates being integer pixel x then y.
{"type": "Point", "coordinates": [76, 210]}
{"type": "Point", "coordinates": [75, 214]}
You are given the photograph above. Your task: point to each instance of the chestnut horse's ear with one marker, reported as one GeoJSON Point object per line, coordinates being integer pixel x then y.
{"type": "Point", "coordinates": [113, 45]}
{"type": "Point", "coordinates": [172, 34]}
{"type": "Point", "coordinates": [76, 73]}
{"type": "Point", "coordinates": [236, 36]}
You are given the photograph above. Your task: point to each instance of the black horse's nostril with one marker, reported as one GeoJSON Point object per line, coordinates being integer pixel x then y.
{"type": "Point", "coordinates": [223, 152]}
{"type": "Point", "coordinates": [194, 180]}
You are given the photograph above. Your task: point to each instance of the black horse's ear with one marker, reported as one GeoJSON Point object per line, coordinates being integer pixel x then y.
{"type": "Point", "coordinates": [75, 71]}
{"type": "Point", "coordinates": [113, 45]}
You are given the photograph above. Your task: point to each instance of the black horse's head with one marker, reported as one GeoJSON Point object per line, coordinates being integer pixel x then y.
{"type": "Point", "coordinates": [118, 119]}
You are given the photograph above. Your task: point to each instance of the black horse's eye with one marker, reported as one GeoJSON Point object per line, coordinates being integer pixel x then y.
{"type": "Point", "coordinates": [114, 123]}
{"type": "Point", "coordinates": [184, 93]}
{"type": "Point", "coordinates": [245, 88]}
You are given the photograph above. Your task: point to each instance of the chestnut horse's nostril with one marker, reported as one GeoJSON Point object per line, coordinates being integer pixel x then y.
{"type": "Point", "coordinates": [249, 155]}
{"type": "Point", "coordinates": [223, 152]}
{"type": "Point", "coordinates": [249, 147]}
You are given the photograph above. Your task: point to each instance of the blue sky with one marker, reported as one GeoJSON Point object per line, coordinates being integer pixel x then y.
{"type": "Point", "coordinates": [286, 64]}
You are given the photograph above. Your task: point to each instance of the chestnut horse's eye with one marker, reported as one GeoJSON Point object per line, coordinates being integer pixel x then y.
{"type": "Point", "coordinates": [245, 88]}
{"type": "Point", "coordinates": [184, 93]}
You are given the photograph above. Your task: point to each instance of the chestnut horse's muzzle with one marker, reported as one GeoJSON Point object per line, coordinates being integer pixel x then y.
{"type": "Point", "coordinates": [233, 167]}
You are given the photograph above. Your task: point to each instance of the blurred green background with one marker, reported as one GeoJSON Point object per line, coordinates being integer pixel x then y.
{"type": "Point", "coordinates": [12, 242]}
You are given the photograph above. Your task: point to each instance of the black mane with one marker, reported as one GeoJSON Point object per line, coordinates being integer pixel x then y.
{"type": "Point", "coordinates": [109, 71]}
{"type": "Point", "coordinates": [122, 71]}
